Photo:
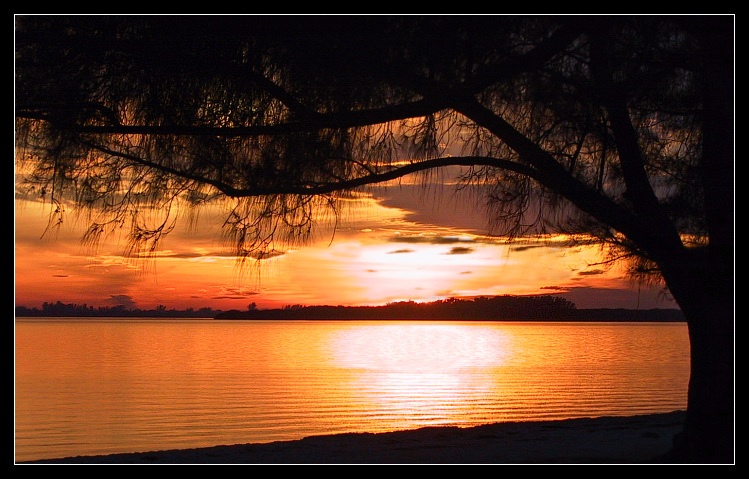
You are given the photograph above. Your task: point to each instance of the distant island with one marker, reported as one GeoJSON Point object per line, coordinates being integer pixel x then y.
{"type": "Point", "coordinates": [68, 310]}
{"type": "Point", "coordinates": [496, 308]}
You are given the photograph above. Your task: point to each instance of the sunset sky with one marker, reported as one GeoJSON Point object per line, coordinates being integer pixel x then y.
{"type": "Point", "coordinates": [403, 242]}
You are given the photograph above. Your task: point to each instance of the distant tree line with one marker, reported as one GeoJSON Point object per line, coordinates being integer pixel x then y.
{"type": "Point", "coordinates": [507, 307]}
{"type": "Point", "coordinates": [60, 309]}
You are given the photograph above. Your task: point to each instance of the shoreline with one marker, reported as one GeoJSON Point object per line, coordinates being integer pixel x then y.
{"type": "Point", "coordinates": [640, 439]}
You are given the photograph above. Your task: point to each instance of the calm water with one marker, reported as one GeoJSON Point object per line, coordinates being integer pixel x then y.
{"type": "Point", "coordinates": [85, 387]}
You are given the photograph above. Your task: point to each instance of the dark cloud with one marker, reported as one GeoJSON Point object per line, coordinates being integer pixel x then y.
{"type": "Point", "coordinates": [121, 300]}
{"type": "Point", "coordinates": [399, 251]}
{"type": "Point", "coordinates": [466, 272]}
{"type": "Point", "coordinates": [526, 247]}
{"type": "Point", "coordinates": [265, 255]}
{"type": "Point", "coordinates": [437, 203]}
{"type": "Point", "coordinates": [532, 243]}
{"type": "Point", "coordinates": [235, 293]}
{"type": "Point", "coordinates": [239, 292]}
{"type": "Point", "coordinates": [460, 250]}
{"type": "Point", "coordinates": [60, 275]}
{"type": "Point", "coordinates": [213, 254]}
{"type": "Point", "coordinates": [592, 297]}
{"type": "Point", "coordinates": [592, 272]}
{"type": "Point", "coordinates": [431, 239]}
{"type": "Point", "coordinates": [233, 296]}
{"type": "Point", "coordinates": [167, 254]}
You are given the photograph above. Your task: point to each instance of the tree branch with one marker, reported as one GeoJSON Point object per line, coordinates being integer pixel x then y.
{"type": "Point", "coordinates": [661, 232]}
{"type": "Point", "coordinates": [309, 123]}
{"type": "Point", "coordinates": [547, 171]}
{"type": "Point", "coordinates": [333, 186]}
{"type": "Point", "coordinates": [527, 62]}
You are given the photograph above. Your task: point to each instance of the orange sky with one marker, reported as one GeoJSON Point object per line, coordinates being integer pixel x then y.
{"type": "Point", "coordinates": [399, 246]}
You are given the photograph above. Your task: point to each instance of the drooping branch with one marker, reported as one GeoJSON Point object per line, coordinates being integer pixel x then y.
{"type": "Point", "coordinates": [323, 188]}
{"type": "Point", "coordinates": [548, 172]}
{"type": "Point", "coordinates": [348, 119]}
{"type": "Point", "coordinates": [195, 100]}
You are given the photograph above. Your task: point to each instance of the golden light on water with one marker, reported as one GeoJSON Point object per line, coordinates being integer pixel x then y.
{"type": "Point", "coordinates": [412, 374]}
{"type": "Point", "coordinates": [413, 348]}
{"type": "Point", "coordinates": [104, 386]}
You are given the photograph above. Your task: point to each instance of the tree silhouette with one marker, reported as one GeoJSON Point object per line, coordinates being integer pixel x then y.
{"type": "Point", "coordinates": [617, 129]}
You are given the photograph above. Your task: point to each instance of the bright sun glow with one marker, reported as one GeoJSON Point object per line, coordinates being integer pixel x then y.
{"type": "Point", "coordinates": [378, 254]}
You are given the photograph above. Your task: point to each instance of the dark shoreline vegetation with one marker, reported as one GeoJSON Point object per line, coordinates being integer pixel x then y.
{"type": "Point", "coordinates": [497, 308]}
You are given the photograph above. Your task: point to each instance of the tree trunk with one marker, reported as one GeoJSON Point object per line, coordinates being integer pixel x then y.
{"type": "Point", "coordinates": [703, 287]}
{"type": "Point", "coordinates": [702, 280]}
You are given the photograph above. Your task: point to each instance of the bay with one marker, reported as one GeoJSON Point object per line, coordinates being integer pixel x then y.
{"type": "Point", "coordinates": [102, 386]}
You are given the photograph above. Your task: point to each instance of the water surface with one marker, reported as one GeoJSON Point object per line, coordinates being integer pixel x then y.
{"type": "Point", "coordinates": [86, 386]}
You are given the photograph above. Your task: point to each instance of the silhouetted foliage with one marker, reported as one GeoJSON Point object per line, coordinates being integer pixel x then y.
{"type": "Point", "coordinates": [498, 308]}
{"type": "Point", "coordinates": [510, 308]}
{"type": "Point", "coordinates": [71, 310]}
{"type": "Point", "coordinates": [616, 129]}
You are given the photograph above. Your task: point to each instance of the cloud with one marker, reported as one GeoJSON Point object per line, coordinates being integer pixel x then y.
{"type": "Point", "coordinates": [460, 250]}
{"type": "Point", "coordinates": [592, 272]}
{"type": "Point", "coordinates": [121, 300]}
{"type": "Point", "coordinates": [446, 293]}
{"type": "Point", "coordinates": [112, 262]}
{"type": "Point", "coordinates": [235, 293]}
{"type": "Point", "coordinates": [528, 243]}
{"type": "Point", "coordinates": [595, 297]}
{"type": "Point", "coordinates": [206, 254]}
{"type": "Point", "coordinates": [526, 248]}
{"type": "Point", "coordinates": [420, 239]}
{"type": "Point", "coordinates": [60, 276]}
{"type": "Point", "coordinates": [436, 203]}
{"type": "Point", "coordinates": [265, 255]}
{"type": "Point", "coordinates": [399, 251]}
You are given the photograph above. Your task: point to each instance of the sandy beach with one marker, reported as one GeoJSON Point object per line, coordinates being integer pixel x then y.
{"type": "Point", "coordinates": [607, 440]}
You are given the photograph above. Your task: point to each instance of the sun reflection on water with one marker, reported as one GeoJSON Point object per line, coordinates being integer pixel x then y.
{"type": "Point", "coordinates": [414, 374]}
{"type": "Point", "coordinates": [414, 347]}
